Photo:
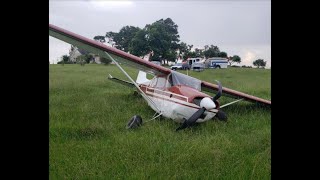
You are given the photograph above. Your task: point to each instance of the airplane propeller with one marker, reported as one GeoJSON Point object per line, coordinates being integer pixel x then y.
{"type": "Point", "coordinates": [205, 104]}
{"type": "Point", "coordinates": [217, 96]}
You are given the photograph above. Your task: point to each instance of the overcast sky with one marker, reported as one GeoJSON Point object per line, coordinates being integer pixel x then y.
{"type": "Point", "coordinates": [237, 27]}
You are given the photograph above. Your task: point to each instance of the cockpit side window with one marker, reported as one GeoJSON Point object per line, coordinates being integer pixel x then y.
{"type": "Point", "coordinates": [153, 82]}
{"type": "Point", "coordinates": [161, 82]}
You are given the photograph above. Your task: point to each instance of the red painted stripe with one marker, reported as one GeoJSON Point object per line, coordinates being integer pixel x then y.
{"type": "Point", "coordinates": [176, 102]}
{"type": "Point", "coordinates": [155, 96]}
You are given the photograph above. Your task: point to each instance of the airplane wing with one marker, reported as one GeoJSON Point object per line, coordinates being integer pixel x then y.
{"type": "Point", "coordinates": [206, 86]}
{"type": "Point", "coordinates": [129, 59]}
{"type": "Point", "coordinates": [99, 49]}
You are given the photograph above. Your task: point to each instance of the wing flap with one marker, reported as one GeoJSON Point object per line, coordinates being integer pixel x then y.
{"type": "Point", "coordinates": [100, 49]}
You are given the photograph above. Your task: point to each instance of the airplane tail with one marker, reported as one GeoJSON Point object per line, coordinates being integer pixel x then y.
{"type": "Point", "coordinates": [142, 78]}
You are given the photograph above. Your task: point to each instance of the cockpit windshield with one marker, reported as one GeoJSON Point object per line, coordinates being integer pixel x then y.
{"type": "Point", "coordinates": [182, 79]}
{"type": "Point", "coordinates": [160, 82]}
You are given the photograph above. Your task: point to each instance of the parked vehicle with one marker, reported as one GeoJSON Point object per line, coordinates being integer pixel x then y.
{"type": "Point", "coordinates": [181, 66]}
{"type": "Point", "coordinates": [176, 66]}
{"type": "Point", "coordinates": [198, 67]}
{"type": "Point", "coordinates": [217, 62]}
{"type": "Point", "coordinates": [185, 66]}
{"type": "Point", "coordinates": [192, 61]}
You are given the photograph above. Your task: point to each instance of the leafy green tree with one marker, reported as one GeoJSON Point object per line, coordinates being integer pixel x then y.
{"type": "Point", "coordinates": [85, 58]}
{"type": "Point", "coordinates": [190, 54]}
{"type": "Point", "coordinates": [163, 39]}
{"type": "Point", "coordinates": [101, 39]}
{"type": "Point", "coordinates": [123, 39]}
{"type": "Point", "coordinates": [160, 37]}
{"type": "Point", "coordinates": [139, 45]}
{"type": "Point", "coordinates": [199, 52]}
{"type": "Point", "coordinates": [171, 55]}
{"type": "Point", "coordinates": [234, 59]}
{"type": "Point", "coordinates": [65, 59]}
{"type": "Point", "coordinates": [183, 49]}
{"type": "Point", "coordinates": [61, 62]}
{"type": "Point", "coordinates": [223, 54]}
{"type": "Point", "coordinates": [259, 63]}
{"type": "Point", "coordinates": [212, 51]}
{"type": "Point", "coordinates": [105, 61]}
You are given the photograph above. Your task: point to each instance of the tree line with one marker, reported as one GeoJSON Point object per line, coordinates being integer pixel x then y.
{"type": "Point", "coordinates": [160, 39]}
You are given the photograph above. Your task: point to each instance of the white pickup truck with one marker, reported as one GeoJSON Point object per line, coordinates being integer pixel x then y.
{"type": "Point", "coordinates": [182, 66]}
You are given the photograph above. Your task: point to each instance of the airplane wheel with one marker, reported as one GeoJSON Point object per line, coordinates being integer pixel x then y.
{"type": "Point", "coordinates": [222, 116]}
{"type": "Point", "coordinates": [134, 122]}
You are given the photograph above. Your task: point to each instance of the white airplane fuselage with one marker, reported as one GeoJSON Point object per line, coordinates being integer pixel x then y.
{"type": "Point", "coordinates": [177, 102]}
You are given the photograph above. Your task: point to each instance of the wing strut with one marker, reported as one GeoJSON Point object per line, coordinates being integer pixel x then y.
{"type": "Point", "coordinates": [231, 103]}
{"type": "Point", "coordinates": [135, 84]}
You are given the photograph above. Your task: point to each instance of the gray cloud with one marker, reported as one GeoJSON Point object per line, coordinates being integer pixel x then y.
{"type": "Point", "coordinates": [237, 27]}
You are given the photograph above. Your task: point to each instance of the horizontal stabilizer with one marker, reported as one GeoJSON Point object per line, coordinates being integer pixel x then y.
{"type": "Point", "coordinates": [120, 81]}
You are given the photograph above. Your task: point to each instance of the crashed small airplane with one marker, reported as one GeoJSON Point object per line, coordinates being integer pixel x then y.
{"type": "Point", "coordinates": [170, 94]}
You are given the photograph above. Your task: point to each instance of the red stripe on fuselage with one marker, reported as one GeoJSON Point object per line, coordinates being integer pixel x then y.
{"type": "Point", "coordinates": [158, 95]}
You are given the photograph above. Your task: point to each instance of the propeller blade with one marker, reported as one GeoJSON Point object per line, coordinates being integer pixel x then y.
{"type": "Point", "coordinates": [192, 119]}
{"type": "Point", "coordinates": [217, 96]}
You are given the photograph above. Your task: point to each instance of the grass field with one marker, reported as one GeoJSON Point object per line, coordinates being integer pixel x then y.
{"type": "Point", "coordinates": [88, 139]}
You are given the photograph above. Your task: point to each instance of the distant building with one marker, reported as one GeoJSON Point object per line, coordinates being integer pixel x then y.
{"type": "Point", "coordinates": [75, 52]}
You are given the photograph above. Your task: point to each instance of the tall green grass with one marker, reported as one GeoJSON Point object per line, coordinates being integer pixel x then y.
{"type": "Point", "coordinates": [88, 139]}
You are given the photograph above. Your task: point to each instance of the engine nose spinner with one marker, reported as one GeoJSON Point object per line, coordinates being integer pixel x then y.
{"type": "Point", "coordinates": [207, 103]}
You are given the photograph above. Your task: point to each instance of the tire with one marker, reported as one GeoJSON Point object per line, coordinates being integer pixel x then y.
{"type": "Point", "coordinates": [134, 122]}
{"type": "Point", "coordinates": [221, 116]}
